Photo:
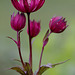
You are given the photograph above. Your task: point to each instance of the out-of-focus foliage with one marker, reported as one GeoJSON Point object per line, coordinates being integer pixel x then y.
{"type": "Point", "coordinates": [59, 48]}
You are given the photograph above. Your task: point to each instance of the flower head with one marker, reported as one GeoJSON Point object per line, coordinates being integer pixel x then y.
{"type": "Point", "coordinates": [27, 6]}
{"type": "Point", "coordinates": [57, 24]}
{"type": "Point", "coordinates": [34, 28]}
{"type": "Point", "coordinates": [18, 21]}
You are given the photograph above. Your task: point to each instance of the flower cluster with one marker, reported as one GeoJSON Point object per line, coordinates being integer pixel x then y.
{"type": "Point", "coordinates": [27, 6]}
{"type": "Point", "coordinates": [56, 25]}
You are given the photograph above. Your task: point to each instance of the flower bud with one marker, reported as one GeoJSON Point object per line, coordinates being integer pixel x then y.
{"type": "Point", "coordinates": [34, 28]}
{"type": "Point", "coordinates": [57, 24]}
{"type": "Point", "coordinates": [18, 21]}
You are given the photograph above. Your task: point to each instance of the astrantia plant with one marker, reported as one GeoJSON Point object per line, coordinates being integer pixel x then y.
{"type": "Point", "coordinates": [56, 25]}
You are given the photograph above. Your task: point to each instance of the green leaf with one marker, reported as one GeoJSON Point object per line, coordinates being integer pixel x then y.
{"type": "Point", "coordinates": [28, 69]}
{"type": "Point", "coordinates": [45, 67]}
{"type": "Point", "coordinates": [19, 70]}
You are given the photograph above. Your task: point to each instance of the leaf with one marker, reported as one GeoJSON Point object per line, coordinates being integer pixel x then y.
{"type": "Point", "coordinates": [23, 71]}
{"type": "Point", "coordinates": [16, 60]}
{"type": "Point", "coordinates": [45, 42]}
{"type": "Point", "coordinates": [19, 70]}
{"type": "Point", "coordinates": [12, 39]}
{"type": "Point", "coordinates": [45, 39]}
{"type": "Point", "coordinates": [28, 69]}
{"type": "Point", "coordinates": [46, 35]}
{"type": "Point", "coordinates": [20, 31]}
{"type": "Point", "coordinates": [45, 67]}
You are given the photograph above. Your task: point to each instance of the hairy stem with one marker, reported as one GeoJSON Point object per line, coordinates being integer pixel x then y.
{"type": "Point", "coordinates": [30, 45]}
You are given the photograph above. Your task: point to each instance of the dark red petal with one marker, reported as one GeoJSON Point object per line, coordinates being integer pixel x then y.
{"type": "Point", "coordinates": [26, 5]}
{"type": "Point", "coordinates": [40, 4]}
{"type": "Point", "coordinates": [18, 5]}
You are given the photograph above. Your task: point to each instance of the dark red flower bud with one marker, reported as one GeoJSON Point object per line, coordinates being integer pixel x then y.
{"type": "Point", "coordinates": [34, 28]}
{"type": "Point", "coordinates": [18, 21]}
{"type": "Point", "coordinates": [57, 24]}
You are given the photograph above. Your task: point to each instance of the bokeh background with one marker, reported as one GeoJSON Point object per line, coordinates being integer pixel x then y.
{"type": "Point", "coordinates": [59, 48]}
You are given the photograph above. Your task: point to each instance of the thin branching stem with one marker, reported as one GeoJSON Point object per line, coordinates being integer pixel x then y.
{"type": "Point", "coordinates": [18, 44]}
{"type": "Point", "coordinates": [42, 51]}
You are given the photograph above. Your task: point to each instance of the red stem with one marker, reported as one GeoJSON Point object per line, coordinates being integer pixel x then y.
{"type": "Point", "coordinates": [42, 52]}
{"type": "Point", "coordinates": [30, 56]}
{"type": "Point", "coordinates": [18, 44]}
{"type": "Point", "coordinates": [41, 56]}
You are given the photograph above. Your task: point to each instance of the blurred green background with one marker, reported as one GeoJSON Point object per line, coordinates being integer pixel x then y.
{"type": "Point", "coordinates": [59, 48]}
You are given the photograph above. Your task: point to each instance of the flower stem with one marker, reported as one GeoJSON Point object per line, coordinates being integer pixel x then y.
{"type": "Point", "coordinates": [42, 51]}
{"type": "Point", "coordinates": [18, 44]}
{"type": "Point", "coordinates": [41, 57]}
{"type": "Point", "coordinates": [30, 56]}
